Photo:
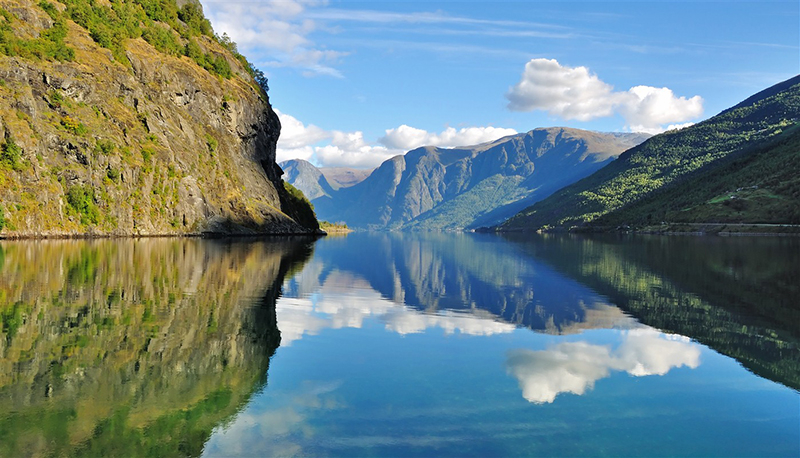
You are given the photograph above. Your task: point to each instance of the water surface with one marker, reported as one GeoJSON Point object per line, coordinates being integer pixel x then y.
{"type": "Point", "coordinates": [401, 345]}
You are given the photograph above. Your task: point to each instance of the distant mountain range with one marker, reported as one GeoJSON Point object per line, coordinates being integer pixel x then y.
{"type": "Point", "coordinates": [740, 166]}
{"type": "Point", "coordinates": [433, 188]}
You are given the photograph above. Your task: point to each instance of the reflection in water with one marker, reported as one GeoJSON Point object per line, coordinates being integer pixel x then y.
{"type": "Point", "coordinates": [154, 347]}
{"type": "Point", "coordinates": [574, 367]}
{"type": "Point", "coordinates": [449, 276]}
{"type": "Point", "coordinates": [329, 309]}
{"type": "Point", "coordinates": [133, 347]}
{"type": "Point", "coordinates": [261, 431]}
{"type": "Point", "coordinates": [740, 296]}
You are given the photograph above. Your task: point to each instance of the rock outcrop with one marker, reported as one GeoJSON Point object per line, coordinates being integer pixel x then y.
{"type": "Point", "coordinates": [135, 142]}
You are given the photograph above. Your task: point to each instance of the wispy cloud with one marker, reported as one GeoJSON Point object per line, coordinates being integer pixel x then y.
{"type": "Point", "coordinates": [276, 28]}
{"type": "Point", "coordinates": [437, 17]}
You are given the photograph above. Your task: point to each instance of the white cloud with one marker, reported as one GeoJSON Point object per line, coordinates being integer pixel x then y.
{"type": "Point", "coordinates": [295, 134]}
{"type": "Point", "coordinates": [575, 93]}
{"type": "Point", "coordinates": [277, 28]}
{"type": "Point", "coordinates": [646, 108]}
{"type": "Point", "coordinates": [574, 367]}
{"type": "Point", "coordinates": [342, 149]}
{"type": "Point", "coordinates": [407, 137]}
{"type": "Point", "coordinates": [336, 148]}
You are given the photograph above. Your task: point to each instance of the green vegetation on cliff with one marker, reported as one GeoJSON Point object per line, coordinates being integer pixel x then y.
{"type": "Point", "coordinates": [146, 123]}
{"type": "Point", "coordinates": [667, 159]}
{"type": "Point", "coordinates": [169, 29]}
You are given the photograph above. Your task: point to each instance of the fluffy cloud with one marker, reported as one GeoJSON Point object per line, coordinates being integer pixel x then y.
{"type": "Point", "coordinates": [575, 93]}
{"type": "Point", "coordinates": [276, 28]}
{"type": "Point", "coordinates": [341, 149]}
{"type": "Point", "coordinates": [574, 367]}
{"type": "Point", "coordinates": [349, 149]}
{"type": "Point", "coordinates": [407, 137]}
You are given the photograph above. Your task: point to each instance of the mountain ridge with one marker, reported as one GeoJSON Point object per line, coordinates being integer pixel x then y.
{"type": "Point", "coordinates": [433, 188]}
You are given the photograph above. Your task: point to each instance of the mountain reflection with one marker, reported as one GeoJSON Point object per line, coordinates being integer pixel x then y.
{"type": "Point", "coordinates": [460, 282]}
{"type": "Point", "coordinates": [739, 296]}
{"type": "Point", "coordinates": [133, 347]}
{"type": "Point", "coordinates": [574, 367]}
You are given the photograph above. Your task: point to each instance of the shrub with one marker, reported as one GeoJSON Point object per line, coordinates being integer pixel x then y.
{"type": "Point", "coordinates": [113, 174]}
{"type": "Point", "coordinates": [212, 144]}
{"type": "Point", "coordinates": [105, 147]}
{"type": "Point", "coordinates": [192, 16]}
{"type": "Point", "coordinates": [163, 39]}
{"type": "Point", "coordinates": [73, 126]}
{"type": "Point", "coordinates": [11, 154]}
{"type": "Point", "coordinates": [80, 201]}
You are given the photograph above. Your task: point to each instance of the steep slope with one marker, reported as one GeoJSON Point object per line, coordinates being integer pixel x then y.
{"type": "Point", "coordinates": [133, 118]}
{"type": "Point", "coordinates": [759, 185]}
{"type": "Point", "coordinates": [666, 159]}
{"type": "Point", "coordinates": [433, 188]}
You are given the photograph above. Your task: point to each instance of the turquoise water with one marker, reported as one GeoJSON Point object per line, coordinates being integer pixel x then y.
{"type": "Point", "coordinates": [401, 345]}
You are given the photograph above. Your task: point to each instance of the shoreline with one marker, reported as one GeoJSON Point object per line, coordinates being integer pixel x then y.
{"type": "Point", "coordinates": [201, 235]}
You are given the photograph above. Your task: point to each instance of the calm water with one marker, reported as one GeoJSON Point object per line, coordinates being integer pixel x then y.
{"type": "Point", "coordinates": [401, 345]}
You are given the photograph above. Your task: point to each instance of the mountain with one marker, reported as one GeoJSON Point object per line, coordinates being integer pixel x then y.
{"type": "Point", "coordinates": [672, 158]}
{"type": "Point", "coordinates": [761, 185]}
{"type": "Point", "coordinates": [134, 118]}
{"type": "Point", "coordinates": [306, 177]}
{"type": "Point", "coordinates": [344, 177]}
{"type": "Point", "coordinates": [432, 188]}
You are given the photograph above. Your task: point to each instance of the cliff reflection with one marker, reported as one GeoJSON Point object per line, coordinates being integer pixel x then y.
{"type": "Point", "coordinates": [133, 347]}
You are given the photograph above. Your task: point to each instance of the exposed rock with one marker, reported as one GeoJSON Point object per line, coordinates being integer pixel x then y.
{"type": "Point", "coordinates": [165, 146]}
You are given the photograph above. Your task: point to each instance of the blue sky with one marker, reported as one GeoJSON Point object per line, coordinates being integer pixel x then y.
{"type": "Point", "coordinates": [358, 82]}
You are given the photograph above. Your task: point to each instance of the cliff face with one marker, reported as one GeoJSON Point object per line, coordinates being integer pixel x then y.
{"type": "Point", "coordinates": [134, 140]}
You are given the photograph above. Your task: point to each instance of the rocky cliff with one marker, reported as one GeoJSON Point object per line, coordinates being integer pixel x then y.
{"type": "Point", "coordinates": [133, 118]}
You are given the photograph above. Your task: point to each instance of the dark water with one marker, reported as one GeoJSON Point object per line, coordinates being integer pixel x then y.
{"type": "Point", "coordinates": [401, 345]}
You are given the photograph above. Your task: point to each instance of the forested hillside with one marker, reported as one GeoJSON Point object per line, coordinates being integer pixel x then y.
{"type": "Point", "coordinates": [669, 158]}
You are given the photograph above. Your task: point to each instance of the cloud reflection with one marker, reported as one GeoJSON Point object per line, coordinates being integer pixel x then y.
{"type": "Point", "coordinates": [332, 310]}
{"type": "Point", "coordinates": [574, 367]}
{"type": "Point", "coordinates": [274, 428]}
